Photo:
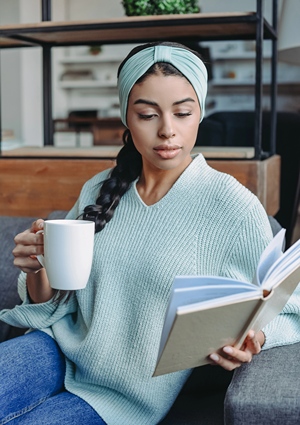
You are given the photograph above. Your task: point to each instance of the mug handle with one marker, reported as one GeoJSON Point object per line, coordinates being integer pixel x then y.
{"type": "Point", "coordinates": [40, 257]}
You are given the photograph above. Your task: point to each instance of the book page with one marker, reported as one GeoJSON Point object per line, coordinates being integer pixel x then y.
{"type": "Point", "coordinates": [277, 299]}
{"type": "Point", "coordinates": [191, 281]}
{"type": "Point", "coordinates": [283, 266]}
{"type": "Point", "coordinates": [272, 252]}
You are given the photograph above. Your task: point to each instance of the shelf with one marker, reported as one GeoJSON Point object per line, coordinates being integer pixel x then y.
{"type": "Point", "coordinates": [90, 59]}
{"type": "Point", "coordinates": [235, 82]}
{"type": "Point", "coordinates": [10, 42]}
{"type": "Point", "coordinates": [112, 59]}
{"type": "Point", "coordinates": [198, 26]}
{"type": "Point", "coordinates": [84, 84]}
{"type": "Point", "coordinates": [8, 145]}
{"type": "Point", "coordinates": [233, 56]}
{"type": "Point", "coordinates": [238, 56]}
{"type": "Point", "coordinates": [214, 83]}
{"type": "Point", "coordinates": [110, 151]}
{"type": "Point", "coordinates": [232, 82]}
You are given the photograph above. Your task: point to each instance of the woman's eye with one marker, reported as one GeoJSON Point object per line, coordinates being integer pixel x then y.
{"type": "Point", "coordinates": [183, 114]}
{"type": "Point", "coordinates": [146, 117]}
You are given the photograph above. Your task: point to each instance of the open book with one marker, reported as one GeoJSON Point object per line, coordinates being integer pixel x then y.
{"type": "Point", "coordinates": [205, 313]}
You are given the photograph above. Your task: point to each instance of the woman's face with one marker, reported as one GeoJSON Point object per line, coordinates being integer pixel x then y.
{"type": "Point", "coordinates": [163, 117]}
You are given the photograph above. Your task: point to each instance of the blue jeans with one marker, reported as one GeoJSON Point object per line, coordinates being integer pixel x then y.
{"type": "Point", "coordinates": [32, 371]}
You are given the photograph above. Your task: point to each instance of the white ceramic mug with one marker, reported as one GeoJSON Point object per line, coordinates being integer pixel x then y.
{"type": "Point", "coordinates": [68, 252]}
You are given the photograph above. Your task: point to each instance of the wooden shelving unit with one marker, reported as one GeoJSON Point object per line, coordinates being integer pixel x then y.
{"type": "Point", "coordinates": [137, 29]}
{"type": "Point", "coordinates": [196, 27]}
{"type": "Point", "coordinates": [260, 174]}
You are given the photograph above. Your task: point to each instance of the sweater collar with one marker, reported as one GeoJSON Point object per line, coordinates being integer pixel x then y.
{"type": "Point", "coordinates": [197, 167]}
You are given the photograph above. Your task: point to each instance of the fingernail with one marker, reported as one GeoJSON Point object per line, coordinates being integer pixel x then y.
{"type": "Point", "coordinates": [251, 334]}
{"type": "Point", "coordinates": [214, 357]}
{"type": "Point", "coordinates": [228, 350]}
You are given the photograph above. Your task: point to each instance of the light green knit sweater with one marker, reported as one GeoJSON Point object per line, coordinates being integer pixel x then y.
{"type": "Point", "coordinates": [110, 332]}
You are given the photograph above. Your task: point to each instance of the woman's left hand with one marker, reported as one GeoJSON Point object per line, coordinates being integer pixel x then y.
{"type": "Point", "coordinates": [231, 358]}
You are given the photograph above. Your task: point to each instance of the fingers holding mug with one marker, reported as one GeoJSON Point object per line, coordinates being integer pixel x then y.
{"type": "Point", "coordinates": [29, 244]}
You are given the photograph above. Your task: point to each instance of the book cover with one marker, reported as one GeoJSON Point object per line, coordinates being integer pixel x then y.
{"type": "Point", "coordinates": [205, 313]}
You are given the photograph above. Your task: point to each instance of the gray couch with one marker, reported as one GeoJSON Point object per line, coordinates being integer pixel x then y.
{"type": "Point", "coordinates": [266, 391]}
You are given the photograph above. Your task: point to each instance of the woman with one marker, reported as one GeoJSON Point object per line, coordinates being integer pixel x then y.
{"type": "Point", "coordinates": [159, 213]}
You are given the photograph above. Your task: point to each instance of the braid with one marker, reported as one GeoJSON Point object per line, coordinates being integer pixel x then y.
{"type": "Point", "coordinates": [127, 169]}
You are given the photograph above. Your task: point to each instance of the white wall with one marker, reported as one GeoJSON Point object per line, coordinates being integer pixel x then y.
{"type": "Point", "coordinates": [20, 77]}
{"type": "Point", "coordinates": [31, 80]}
{"type": "Point", "coordinates": [31, 74]}
{"type": "Point", "coordinates": [235, 6]}
{"type": "Point", "coordinates": [93, 9]}
{"type": "Point", "coordinates": [10, 65]}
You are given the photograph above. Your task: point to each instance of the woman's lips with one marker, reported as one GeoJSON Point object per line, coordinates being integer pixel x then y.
{"type": "Point", "coordinates": [167, 152]}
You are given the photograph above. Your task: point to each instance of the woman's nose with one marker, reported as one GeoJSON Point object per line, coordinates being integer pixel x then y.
{"type": "Point", "coordinates": [166, 129]}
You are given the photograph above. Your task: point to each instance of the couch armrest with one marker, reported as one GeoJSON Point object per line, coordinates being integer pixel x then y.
{"type": "Point", "coordinates": [266, 391]}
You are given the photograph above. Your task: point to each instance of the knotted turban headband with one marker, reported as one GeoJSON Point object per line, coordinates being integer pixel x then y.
{"type": "Point", "coordinates": [185, 61]}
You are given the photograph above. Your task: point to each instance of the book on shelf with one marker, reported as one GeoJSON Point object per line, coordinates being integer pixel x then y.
{"type": "Point", "coordinates": [205, 313]}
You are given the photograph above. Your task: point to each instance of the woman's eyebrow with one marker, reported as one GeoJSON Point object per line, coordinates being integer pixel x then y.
{"type": "Point", "coordinates": [150, 102]}
{"type": "Point", "coordinates": [187, 99]}
{"type": "Point", "coordinates": [147, 102]}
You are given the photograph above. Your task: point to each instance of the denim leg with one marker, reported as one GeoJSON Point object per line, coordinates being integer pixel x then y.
{"type": "Point", "coordinates": [32, 368]}
{"type": "Point", "coordinates": [64, 408]}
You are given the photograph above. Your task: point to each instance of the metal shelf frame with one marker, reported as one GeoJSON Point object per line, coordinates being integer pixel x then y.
{"type": "Point", "coordinates": [196, 27]}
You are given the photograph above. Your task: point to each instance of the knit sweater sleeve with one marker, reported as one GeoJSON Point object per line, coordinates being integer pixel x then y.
{"type": "Point", "coordinates": [249, 238]}
{"type": "Point", "coordinates": [43, 315]}
{"type": "Point", "coordinates": [36, 316]}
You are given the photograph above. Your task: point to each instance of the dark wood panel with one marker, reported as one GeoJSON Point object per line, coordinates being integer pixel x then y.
{"type": "Point", "coordinates": [201, 26]}
{"type": "Point", "coordinates": [10, 42]}
{"type": "Point", "coordinates": [35, 187]}
{"type": "Point", "coordinates": [261, 177]}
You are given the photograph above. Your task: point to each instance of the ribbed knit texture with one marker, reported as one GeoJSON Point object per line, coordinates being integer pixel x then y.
{"type": "Point", "coordinates": [110, 332]}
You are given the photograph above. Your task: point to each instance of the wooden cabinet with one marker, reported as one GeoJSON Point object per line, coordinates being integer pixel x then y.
{"type": "Point", "coordinates": [29, 180]}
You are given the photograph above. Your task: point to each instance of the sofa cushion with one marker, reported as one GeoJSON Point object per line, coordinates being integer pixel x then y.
{"type": "Point", "coordinates": [9, 228]}
{"type": "Point", "coordinates": [56, 215]}
{"type": "Point", "coordinates": [267, 390]}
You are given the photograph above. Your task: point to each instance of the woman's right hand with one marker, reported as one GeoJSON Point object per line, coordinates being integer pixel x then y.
{"type": "Point", "coordinates": [28, 246]}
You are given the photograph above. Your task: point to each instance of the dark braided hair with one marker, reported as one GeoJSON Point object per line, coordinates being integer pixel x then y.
{"type": "Point", "coordinates": [127, 169]}
{"type": "Point", "coordinates": [129, 161]}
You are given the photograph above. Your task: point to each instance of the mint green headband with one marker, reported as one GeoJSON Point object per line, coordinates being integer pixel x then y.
{"type": "Point", "coordinates": [185, 61]}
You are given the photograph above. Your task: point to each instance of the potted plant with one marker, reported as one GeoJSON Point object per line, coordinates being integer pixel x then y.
{"type": "Point", "coordinates": [95, 49]}
{"type": "Point", "coordinates": [159, 7]}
